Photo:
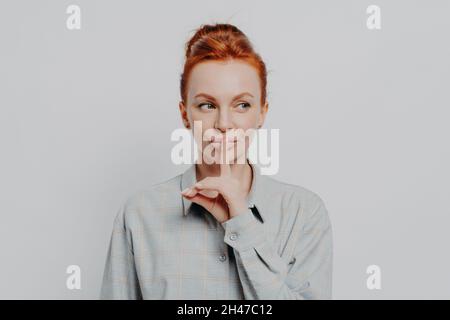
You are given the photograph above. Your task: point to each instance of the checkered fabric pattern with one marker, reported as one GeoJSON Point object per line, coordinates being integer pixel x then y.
{"type": "Point", "coordinates": [165, 247]}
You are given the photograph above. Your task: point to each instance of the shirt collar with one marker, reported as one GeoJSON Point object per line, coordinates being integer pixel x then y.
{"type": "Point", "coordinates": [255, 197]}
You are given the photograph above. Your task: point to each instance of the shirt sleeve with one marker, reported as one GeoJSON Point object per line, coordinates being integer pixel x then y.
{"type": "Point", "coordinates": [120, 277]}
{"type": "Point", "coordinates": [264, 274]}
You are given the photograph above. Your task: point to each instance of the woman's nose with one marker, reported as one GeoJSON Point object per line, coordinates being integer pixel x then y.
{"type": "Point", "coordinates": [224, 122]}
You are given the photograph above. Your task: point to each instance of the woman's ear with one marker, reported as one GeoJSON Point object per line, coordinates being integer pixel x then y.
{"type": "Point", "coordinates": [263, 113]}
{"type": "Point", "coordinates": [184, 115]}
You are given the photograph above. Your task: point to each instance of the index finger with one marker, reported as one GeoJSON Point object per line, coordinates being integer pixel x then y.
{"type": "Point", "coordinates": [225, 168]}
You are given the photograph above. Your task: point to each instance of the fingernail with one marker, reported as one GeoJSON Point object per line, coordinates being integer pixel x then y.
{"type": "Point", "coordinates": [185, 191]}
{"type": "Point", "coordinates": [198, 184]}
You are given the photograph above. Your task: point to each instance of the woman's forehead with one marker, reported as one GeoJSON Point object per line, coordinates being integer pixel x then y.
{"type": "Point", "coordinates": [222, 79]}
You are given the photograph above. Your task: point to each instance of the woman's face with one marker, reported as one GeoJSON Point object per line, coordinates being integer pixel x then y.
{"type": "Point", "coordinates": [223, 96]}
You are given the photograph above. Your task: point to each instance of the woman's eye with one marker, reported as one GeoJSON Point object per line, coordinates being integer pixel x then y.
{"type": "Point", "coordinates": [206, 106]}
{"type": "Point", "coordinates": [243, 105]}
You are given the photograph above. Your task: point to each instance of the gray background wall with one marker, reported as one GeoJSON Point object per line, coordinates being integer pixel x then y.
{"type": "Point", "coordinates": [86, 117]}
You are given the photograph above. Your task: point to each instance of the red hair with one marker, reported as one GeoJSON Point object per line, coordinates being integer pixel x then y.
{"type": "Point", "coordinates": [221, 42]}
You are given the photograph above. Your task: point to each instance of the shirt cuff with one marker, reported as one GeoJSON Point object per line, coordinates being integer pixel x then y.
{"type": "Point", "coordinates": [243, 231]}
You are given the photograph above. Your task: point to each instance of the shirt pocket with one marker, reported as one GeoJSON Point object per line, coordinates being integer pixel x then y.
{"type": "Point", "coordinates": [296, 284]}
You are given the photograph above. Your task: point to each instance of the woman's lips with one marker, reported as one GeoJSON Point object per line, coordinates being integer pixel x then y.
{"type": "Point", "coordinates": [219, 144]}
{"type": "Point", "coordinates": [216, 141]}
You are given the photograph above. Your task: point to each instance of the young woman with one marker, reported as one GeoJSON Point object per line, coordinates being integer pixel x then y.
{"type": "Point", "coordinates": [221, 230]}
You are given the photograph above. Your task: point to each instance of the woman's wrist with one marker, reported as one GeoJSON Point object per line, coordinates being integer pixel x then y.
{"type": "Point", "coordinates": [238, 208]}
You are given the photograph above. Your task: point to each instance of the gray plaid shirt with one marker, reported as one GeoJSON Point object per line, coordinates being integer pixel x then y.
{"type": "Point", "coordinates": [165, 247]}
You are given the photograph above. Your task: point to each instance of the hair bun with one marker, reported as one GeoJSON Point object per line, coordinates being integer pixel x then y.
{"type": "Point", "coordinates": [220, 41]}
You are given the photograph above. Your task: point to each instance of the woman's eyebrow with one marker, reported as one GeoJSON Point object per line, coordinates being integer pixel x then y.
{"type": "Point", "coordinates": [207, 96]}
{"type": "Point", "coordinates": [212, 98]}
{"type": "Point", "coordinates": [243, 94]}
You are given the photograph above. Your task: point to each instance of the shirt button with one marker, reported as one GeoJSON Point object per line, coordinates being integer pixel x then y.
{"type": "Point", "coordinates": [233, 236]}
{"type": "Point", "coordinates": [222, 257]}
